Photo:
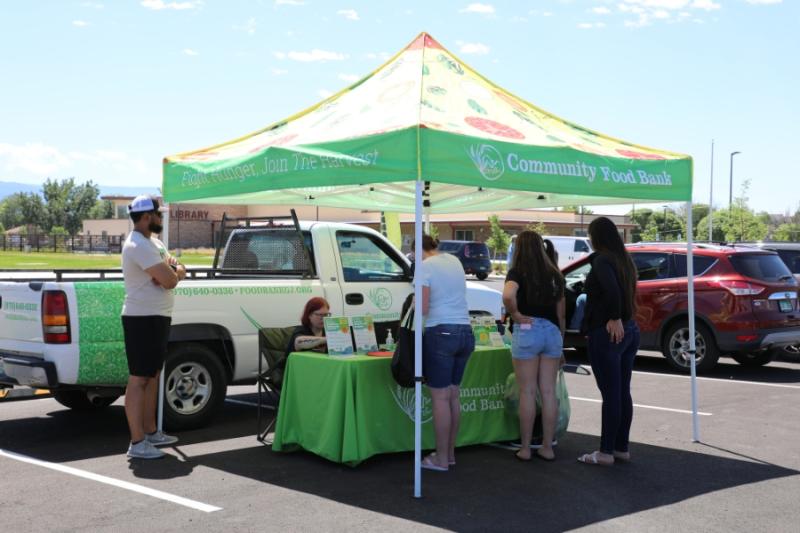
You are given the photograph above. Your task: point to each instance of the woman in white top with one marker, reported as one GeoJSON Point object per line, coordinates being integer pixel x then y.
{"type": "Point", "coordinates": [447, 344]}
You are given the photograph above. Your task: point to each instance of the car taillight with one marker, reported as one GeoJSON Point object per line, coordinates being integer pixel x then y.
{"type": "Point", "coordinates": [55, 317]}
{"type": "Point", "coordinates": [741, 288]}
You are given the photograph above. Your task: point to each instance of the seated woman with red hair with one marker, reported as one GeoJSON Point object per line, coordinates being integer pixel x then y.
{"type": "Point", "coordinates": [310, 335]}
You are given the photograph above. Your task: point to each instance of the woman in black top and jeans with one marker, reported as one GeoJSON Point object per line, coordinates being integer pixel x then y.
{"type": "Point", "coordinates": [613, 337]}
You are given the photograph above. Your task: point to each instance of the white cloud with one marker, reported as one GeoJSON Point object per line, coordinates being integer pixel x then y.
{"type": "Point", "coordinates": [380, 55]}
{"type": "Point", "coordinates": [42, 160]}
{"type": "Point", "coordinates": [473, 48]}
{"type": "Point", "coordinates": [80, 23]}
{"type": "Point", "coordinates": [190, 52]}
{"type": "Point", "coordinates": [350, 78]}
{"type": "Point", "coordinates": [36, 158]}
{"type": "Point", "coordinates": [289, 2]}
{"type": "Point", "coordinates": [279, 72]}
{"type": "Point", "coordinates": [279, 55]}
{"type": "Point", "coordinates": [602, 10]}
{"type": "Point", "coordinates": [248, 27]}
{"type": "Point", "coordinates": [349, 14]}
{"type": "Point", "coordinates": [763, 2]}
{"type": "Point", "coordinates": [707, 5]}
{"type": "Point", "coordinates": [483, 9]}
{"type": "Point", "coordinates": [94, 5]}
{"type": "Point", "coordinates": [316, 55]}
{"type": "Point", "coordinates": [661, 14]}
{"type": "Point", "coordinates": [158, 5]}
{"type": "Point", "coordinates": [591, 25]}
{"type": "Point", "coordinates": [324, 93]}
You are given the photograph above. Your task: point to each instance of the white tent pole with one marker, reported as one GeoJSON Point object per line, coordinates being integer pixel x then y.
{"type": "Point", "coordinates": [160, 411]}
{"type": "Point", "coordinates": [418, 343]}
{"type": "Point", "coordinates": [692, 344]}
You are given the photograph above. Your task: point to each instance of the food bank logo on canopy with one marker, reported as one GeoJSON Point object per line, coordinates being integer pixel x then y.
{"type": "Point", "coordinates": [487, 160]}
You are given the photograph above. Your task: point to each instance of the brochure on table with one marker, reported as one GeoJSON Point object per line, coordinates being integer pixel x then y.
{"type": "Point", "coordinates": [485, 330]}
{"type": "Point", "coordinates": [337, 333]}
{"type": "Point", "coordinates": [364, 333]}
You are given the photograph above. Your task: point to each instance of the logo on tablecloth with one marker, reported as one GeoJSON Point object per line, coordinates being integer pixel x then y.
{"type": "Point", "coordinates": [405, 400]}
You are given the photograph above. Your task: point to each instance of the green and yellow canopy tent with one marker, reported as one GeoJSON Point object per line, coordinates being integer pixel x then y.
{"type": "Point", "coordinates": [425, 132]}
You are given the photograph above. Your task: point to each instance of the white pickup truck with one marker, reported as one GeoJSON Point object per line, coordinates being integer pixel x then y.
{"type": "Point", "coordinates": [66, 335]}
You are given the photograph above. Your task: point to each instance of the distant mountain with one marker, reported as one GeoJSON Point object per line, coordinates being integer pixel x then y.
{"type": "Point", "coordinates": [7, 188]}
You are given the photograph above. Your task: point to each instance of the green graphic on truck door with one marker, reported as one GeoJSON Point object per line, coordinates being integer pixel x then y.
{"type": "Point", "coordinates": [101, 344]}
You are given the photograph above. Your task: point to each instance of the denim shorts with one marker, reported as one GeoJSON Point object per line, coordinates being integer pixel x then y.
{"type": "Point", "coordinates": [542, 338]}
{"type": "Point", "coordinates": [445, 351]}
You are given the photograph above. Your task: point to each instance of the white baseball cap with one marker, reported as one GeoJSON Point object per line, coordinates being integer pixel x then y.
{"type": "Point", "coordinates": [144, 203]}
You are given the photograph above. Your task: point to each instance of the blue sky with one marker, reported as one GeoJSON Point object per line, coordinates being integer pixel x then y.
{"type": "Point", "coordinates": [103, 90]}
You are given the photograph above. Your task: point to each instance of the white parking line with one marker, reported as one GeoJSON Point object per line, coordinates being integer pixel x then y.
{"type": "Point", "coordinates": [114, 482]}
{"type": "Point", "coordinates": [780, 385]}
{"type": "Point", "coordinates": [683, 411]}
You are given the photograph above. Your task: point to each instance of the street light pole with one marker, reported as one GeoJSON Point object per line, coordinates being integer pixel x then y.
{"type": "Point", "coordinates": [730, 185]}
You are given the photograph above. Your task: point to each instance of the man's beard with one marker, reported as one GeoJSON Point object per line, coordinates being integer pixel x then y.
{"type": "Point", "coordinates": [156, 228]}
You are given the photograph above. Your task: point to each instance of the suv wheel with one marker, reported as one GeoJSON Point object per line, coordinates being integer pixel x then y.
{"type": "Point", "coordinates": [481, 275]}
{"type": "Point", "coordinates": [676, 343]}
{"type": "Point", "coordinates": [754, 359]}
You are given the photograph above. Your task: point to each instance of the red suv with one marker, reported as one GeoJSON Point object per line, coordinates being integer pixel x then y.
{"type": "Point", "coordinates": [745, 302]}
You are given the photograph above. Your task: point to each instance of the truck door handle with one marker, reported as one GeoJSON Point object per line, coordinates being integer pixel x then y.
{"type": "Point", "coordinates": [354, 298]}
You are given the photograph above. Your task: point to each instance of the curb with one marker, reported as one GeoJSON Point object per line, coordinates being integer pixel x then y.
{"type": "Point", "coordinates": [21, 392]}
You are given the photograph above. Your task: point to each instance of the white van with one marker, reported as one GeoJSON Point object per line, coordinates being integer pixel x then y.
{"type": "Point", "coordinates": [569, 249]}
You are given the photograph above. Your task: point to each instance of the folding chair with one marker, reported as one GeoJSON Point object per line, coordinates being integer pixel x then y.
{"type": "Point", "coordinates": [272, 345]}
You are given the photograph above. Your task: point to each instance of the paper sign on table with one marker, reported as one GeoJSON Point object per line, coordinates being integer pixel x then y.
{"type": "Point", "coordinates": [364, 333]}
{"type": "Point", "coordinates": [337, 333]}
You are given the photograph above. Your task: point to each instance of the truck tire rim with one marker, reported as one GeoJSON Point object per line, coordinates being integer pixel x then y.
{"type": "Point", "coordinates": [679, 347]}
{"type": "Point", "coordinates": [188, 388]}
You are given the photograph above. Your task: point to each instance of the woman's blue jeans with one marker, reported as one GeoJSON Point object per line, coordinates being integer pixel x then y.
{"type": "Point", "coordinates": [612, 365]}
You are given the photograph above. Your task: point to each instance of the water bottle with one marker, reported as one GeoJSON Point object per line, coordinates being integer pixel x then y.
{"type": "Point", "coordinates": [389, 346]}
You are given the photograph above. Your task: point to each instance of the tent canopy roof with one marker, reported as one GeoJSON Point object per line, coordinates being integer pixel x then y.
{"type": "Point", "coordinates": [426, 115]}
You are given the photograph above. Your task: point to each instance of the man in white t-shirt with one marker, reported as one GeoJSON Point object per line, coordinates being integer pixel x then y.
{"type": "Point", "coordinates": [150, 274]}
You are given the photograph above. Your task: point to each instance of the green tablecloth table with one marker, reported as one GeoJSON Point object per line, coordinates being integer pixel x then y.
{"type": "Point", "coordinates": [347, 409]}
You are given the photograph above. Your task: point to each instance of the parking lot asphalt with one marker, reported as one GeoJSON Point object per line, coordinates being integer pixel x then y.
{"type": "Point", "coordinates": [65, 470]}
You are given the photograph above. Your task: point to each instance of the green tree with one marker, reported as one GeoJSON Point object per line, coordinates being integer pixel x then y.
{"type": "Point", "coordinates": [576, 209]}
{"type": "Point", "coordinates": [736, 224]}
{"type": "Point", "coordinates": [640, 217]}
{"type": "Point", "coordinates": [68, 204]}
{"type": "Point", "coordinates": [498, 238]}
{"type": "Point", "coordinates": [22, 208]}
{"type": "Point", "coordinates": [539, 227]}
{"type": "Point", "coordinates": [658, 228]}
{"type": "Point", "coordinates": [789, 231]}
{"type": "Point", "coordinates": [699, 212]}
{"type": "Point", "coordinates": [434, 231]}
{"type": "Point", "coordinates": [102, 209]}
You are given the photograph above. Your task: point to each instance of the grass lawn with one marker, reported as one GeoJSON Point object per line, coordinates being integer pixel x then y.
{"type": "Point", "coordinates": [50, 261]}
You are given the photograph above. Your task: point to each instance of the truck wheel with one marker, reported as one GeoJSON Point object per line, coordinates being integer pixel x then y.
{"type": "Point", "coordinates": [79, 400]}
{"type": "Point", "coordinates": [194, 387]}
{"type": "Point", "coordinates": [481, 275]}
{"type": "Point", "coordinates": [754, 359]}
{"type": "Point", "coordinates": [676, 342]}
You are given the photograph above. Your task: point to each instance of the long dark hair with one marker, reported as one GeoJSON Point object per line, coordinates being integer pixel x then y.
{"type": "Point", "coordinates": [606, 240]}
{"type": "Point", "coordinates": [544, 283]}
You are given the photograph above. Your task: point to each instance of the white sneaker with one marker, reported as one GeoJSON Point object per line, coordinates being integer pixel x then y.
{"type": "Point", "coordinates": [159, 438]}
{"type": "Point", "coordinates": [144, 450]}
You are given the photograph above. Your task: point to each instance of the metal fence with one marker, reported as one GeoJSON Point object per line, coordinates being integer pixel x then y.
{"type": "Point", "coordinates": [43, 242]}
